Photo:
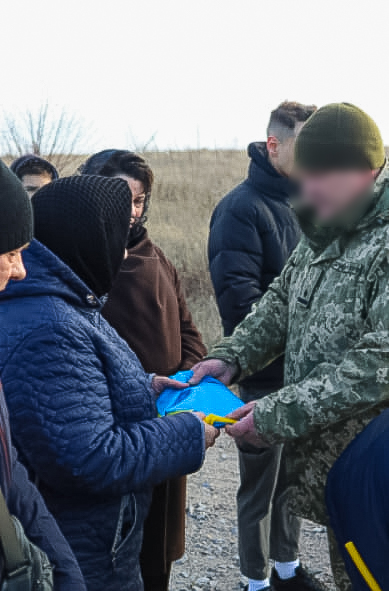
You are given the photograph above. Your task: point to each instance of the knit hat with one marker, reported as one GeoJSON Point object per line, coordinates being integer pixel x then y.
{"type": "Point", "coordinates": [339, 136]}
{"type": "Point", "coordinates": [16, 220]}
{"type": "Point", "coordinates": [26, 165]}
{"type": "Point", "coordinates": [84, 220]}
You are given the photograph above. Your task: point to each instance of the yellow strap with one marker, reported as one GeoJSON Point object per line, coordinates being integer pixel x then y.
{"type": "Point", "coordinates": [212, 419]}
{"type": "Point", "coordinates": [362, 567]}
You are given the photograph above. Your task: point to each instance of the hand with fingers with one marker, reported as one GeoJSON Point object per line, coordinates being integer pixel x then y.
{"type": "Point", "coordinates": [215, 368]}
{"type": "Point", "coordinates": [244, 431]}
{"type": "Point", "coordinates": [211, 434]}
{"type": "Point", "coordinates": [160, 383]}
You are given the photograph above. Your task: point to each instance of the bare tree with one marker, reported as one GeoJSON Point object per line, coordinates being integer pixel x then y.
{"type": "Point", "coordinates": [140, 147]}
{"type": "Point", "coordinates": [55, 135]}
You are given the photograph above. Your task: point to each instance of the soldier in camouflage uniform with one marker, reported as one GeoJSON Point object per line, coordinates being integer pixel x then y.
{"type": "Point", "coordinates": [328, 313]}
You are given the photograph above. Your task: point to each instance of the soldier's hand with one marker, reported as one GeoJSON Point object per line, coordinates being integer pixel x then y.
{"type": "Point", "coordinates": [160, 383]}
{"type": "Point", "coordinates": [244, 432]}
{"type": "Point", "coordinates": [215, 368]}
{"type": "Point", "coordinates": [242, 412]}
{"type": "Point", "coordinates": [211, 434]}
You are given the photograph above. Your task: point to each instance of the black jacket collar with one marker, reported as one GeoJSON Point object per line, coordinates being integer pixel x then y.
{"type": "Point", "coordinates": [264, 177]}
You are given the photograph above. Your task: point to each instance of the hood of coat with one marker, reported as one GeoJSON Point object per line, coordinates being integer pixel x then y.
{"type": "Point", "coordinates": [31, 160]}
{"type": "Point", "coordinates": [47, 275]}
{"type": "Point", "coordinates": [320, 238]}
{"type": "Point", "coordinates": [264, 177]}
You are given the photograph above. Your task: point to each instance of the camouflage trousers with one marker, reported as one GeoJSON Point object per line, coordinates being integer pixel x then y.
{"type": "Point", "coordinates": [342, 581]}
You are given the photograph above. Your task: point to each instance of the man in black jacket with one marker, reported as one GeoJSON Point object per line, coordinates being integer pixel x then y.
{"type": "Point", "coordinates": [253, 231]}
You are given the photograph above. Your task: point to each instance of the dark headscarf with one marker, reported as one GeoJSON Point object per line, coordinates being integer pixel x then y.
{"type": "Point", "coordinates": [101, 163]}
{"type": "Point", "coordinates": [84, 220]}
{"type": "Point", "coordinates": [96, 163]}
{"type": "Point", "coordinates": [22, 165]}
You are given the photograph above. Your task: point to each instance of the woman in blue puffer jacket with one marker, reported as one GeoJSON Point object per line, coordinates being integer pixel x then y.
{"type": "Point", "coordinates": [82, 408]}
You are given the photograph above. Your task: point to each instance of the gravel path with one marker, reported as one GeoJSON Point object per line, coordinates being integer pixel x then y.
{"type": "Point", "coordinates": [211, 560]}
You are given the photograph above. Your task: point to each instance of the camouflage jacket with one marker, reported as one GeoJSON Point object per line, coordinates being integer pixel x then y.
{"type": "Point", "coordinates": [329, 313]}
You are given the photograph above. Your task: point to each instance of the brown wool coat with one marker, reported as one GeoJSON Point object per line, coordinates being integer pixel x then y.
{"type": "Point", "coordinates": [147, 308]}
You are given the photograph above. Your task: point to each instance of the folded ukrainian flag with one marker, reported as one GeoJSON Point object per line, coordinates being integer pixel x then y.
{"type": "Point", "coordinates": [210, 397]}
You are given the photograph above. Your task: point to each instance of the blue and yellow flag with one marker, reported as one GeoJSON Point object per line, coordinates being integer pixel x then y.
{"type": "Point", "coordinates": [210, 397]}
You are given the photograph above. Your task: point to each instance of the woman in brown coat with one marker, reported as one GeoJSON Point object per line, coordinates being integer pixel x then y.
{"type": "Point", "coordinates": [147, 308]}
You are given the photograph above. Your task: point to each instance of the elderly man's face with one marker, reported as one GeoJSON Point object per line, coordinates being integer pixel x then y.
{"type": "Point", "coordinates": [11, 267]}
{"type": "Point", "coordinates": [332, 194]}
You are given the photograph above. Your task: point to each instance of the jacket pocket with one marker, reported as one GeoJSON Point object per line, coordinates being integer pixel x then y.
{"type": "Point", "coordinates": [349, 282]}
{"type": "Point", "coordinates": [305, 287]}
{"type": "Point", "coordinates": [126, 526]}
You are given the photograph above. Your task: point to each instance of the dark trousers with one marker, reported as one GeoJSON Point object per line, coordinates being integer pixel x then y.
{"type": "Point", "coordinates": [267, 528]}
{"type": "Point", "coordinates": [164, 534]}
{"type": "Point", "coordinates": [158, 582]}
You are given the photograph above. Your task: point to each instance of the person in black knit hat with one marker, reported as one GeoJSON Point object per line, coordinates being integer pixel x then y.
{"type": "Point", "coordinates": [83, 408]}
{"type": "Point", "coordinates": [16, 221]}
{"type": "Point", "coordinates": [34, 172]}
{"type": "Point", "coordinates": [22, 498]}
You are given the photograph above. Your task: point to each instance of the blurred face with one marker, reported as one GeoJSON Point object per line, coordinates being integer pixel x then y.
{"type": "Point", "coordinates": [281, 153]}
{"type": "Point", "coordinates": [333, 194]}
{"type": "Point", "coordinates": [33, 182]}
{"type": "Point", "coordinates": [11, 267]}
{"type": "Point", "coordinates": [138, 196]}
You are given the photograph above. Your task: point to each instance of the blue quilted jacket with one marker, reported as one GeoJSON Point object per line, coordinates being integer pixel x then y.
{"type": "Point", "coordinates": [83, 417]}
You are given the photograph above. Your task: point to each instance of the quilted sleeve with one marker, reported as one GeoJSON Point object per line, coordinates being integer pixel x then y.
{"type": "Point", "coordinates": [61, 409]}
{"type": "Point", "coordinates": [27, 505]}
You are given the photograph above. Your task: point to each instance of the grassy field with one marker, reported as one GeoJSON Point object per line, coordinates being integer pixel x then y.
{"type": "Point", "coordinates": [188, 186]}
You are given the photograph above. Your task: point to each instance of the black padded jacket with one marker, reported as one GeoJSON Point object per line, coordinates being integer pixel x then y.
{"type": "Point", "coordinates": [253, 231]}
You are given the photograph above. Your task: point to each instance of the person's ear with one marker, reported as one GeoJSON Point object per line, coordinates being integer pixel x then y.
{"type": "Point", "coordinates": [272, 146]}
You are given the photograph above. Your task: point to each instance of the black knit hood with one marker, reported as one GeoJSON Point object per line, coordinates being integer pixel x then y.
{"type": "Point", "coordinates": [84, 220]}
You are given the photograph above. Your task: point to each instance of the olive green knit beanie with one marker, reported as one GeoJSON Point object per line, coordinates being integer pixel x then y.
{"type": "Point", "coordinates": [339, 136]}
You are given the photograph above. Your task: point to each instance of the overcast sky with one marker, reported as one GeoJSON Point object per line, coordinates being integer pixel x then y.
{"type": "Point", "coordinates": [193, 72]}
